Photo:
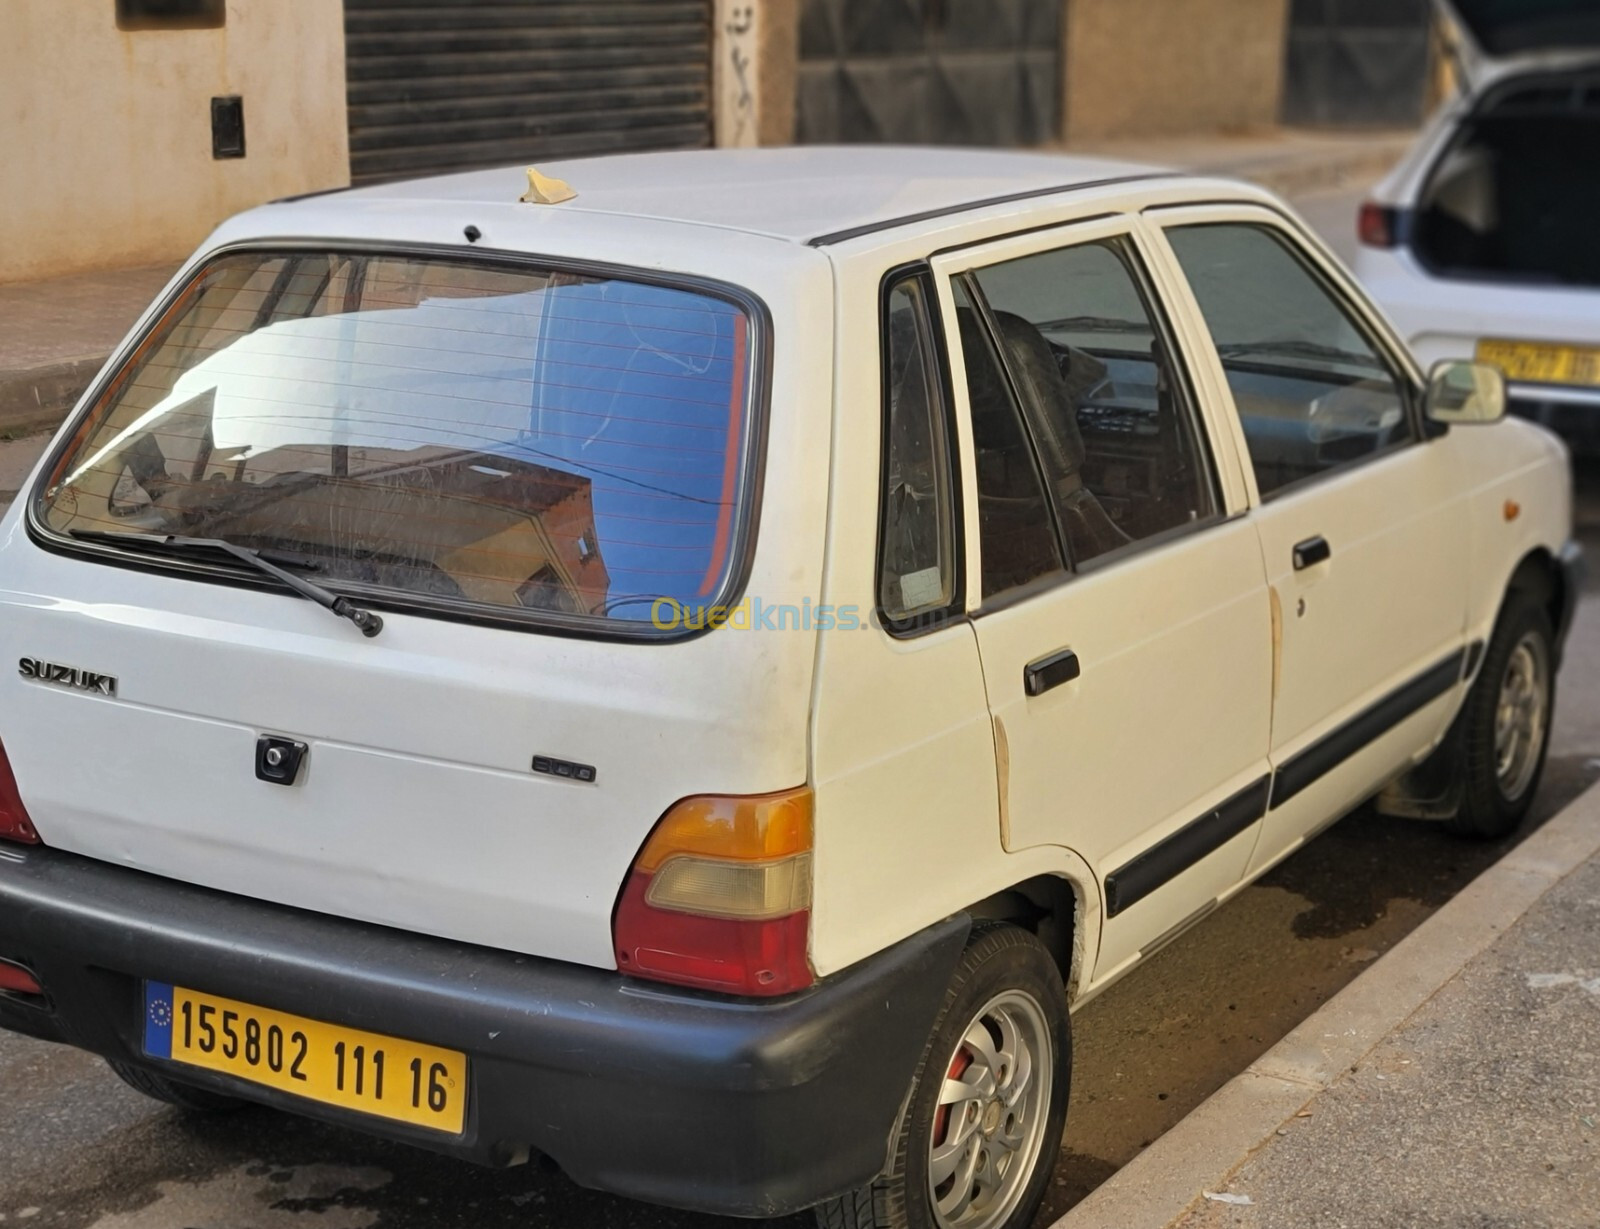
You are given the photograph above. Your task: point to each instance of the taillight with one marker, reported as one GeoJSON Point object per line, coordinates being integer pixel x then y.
{"type": "Point", "coordinates": [14, 979]}
{"type": "Point", "coordinates": [720, 896]}
{"type": "Point", "coordinates": [1378, 225]}
{"type": "Point", "coordinates": [14, 822]}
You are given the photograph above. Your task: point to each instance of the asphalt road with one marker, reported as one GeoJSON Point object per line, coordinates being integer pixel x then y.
{"type": "Point", "coordinates": [79, 1150]}
{"type": "Point", "coordinates": [1333, 216]}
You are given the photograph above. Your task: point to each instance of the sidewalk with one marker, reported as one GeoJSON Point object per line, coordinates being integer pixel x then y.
{"type": "Point", "coordinates": [1455, 1083]}
{"type": "Point", "coordinates": [55, 335]}
{"type": "Point", "coordinates": [1290, 162]}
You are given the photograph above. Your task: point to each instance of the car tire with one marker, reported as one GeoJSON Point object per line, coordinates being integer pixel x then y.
{"type": "Point", "coordinates": [1504, 726]}
{"type": "Point", "coordinates": [1005, 988]}
{"type": "Point", "coordinates": [184, 1096]}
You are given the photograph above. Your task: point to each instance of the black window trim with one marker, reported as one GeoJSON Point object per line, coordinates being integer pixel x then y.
{"type": "Point", "coordinates": [991, 340]}
{"type": "Point", "coordinates": [1127, 250]}
{"type": "Point", "coordinates": [1404, 373]}
{"type": "Point", "coordinates": [752, 466]}
{"type": "Point", "coordinates": [929, 620]}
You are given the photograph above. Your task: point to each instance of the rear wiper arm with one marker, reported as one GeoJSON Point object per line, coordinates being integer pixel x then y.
{"type": "Point", "coordinates": [369, 623]}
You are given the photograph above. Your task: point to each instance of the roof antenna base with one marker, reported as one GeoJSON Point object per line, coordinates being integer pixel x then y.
{"type": "Point", "coordinates": [543, 190]}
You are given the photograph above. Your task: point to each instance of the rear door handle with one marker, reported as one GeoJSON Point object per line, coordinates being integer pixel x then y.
{"type": "Point", "coordinates": [1040, 676]}
{"type": "Point", "coordinates": [1311, 552]}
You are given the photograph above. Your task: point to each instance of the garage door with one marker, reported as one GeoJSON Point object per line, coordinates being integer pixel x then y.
{"type": "Point", "coordinates": [440, 87]}
{"type": "Point", "coordinates": [1357, 62]}
{"type": "Point", "coordinates": [964, 72]}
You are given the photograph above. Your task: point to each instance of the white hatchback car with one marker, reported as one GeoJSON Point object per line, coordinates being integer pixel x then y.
{"type": "Point", "coordinates": [1484, 239]}
{"type": "Point", "coordinates": [797, 622]}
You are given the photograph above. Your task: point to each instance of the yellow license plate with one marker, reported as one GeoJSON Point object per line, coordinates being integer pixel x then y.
{"type": "Point", "coordinates": [366, 1072]}
{"type": "Point", "coordinates": [1541, 363]}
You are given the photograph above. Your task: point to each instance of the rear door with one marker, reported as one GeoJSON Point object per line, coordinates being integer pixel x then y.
{"type": "Point", "coordinates": [1121, 611]}
{"type": "Point", "coordinates": [1364, 537]}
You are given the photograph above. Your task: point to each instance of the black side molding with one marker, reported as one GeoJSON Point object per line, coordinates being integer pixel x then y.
{"type": "Point", "coordinates": [1135, 880]}
{"type": "Point", "coordinates": [1334, 748]}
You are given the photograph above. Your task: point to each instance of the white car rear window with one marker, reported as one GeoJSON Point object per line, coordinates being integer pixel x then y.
{"type": "Point", "coordinates": [558, 444]}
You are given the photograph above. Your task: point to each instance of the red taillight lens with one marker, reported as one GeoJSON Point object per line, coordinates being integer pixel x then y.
{"type": "Point", "coordinates": [720, 896]}
{"type": "Point", "coordinates": [14, 822]}
{"type": "Point", "coordinates": [14, 979]}
{"type": "Point", "coordinates": [1377, 226]}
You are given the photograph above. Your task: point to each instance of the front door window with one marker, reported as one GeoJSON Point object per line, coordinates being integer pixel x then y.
{"type": "Point", "coordinates": [1312, 390]}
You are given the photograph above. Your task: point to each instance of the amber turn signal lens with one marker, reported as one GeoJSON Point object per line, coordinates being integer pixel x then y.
{"type": "Point", "coordinates": [754, 828]}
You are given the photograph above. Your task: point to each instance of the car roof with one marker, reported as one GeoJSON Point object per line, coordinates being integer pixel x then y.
{"type": "Point", "coordinates": [802, 194]}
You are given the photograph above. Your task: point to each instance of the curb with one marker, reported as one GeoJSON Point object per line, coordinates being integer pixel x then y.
{"type": "Point", "coordinates": [1165, 1180]}
{"type": "Point", "coordinates": [38, 398]}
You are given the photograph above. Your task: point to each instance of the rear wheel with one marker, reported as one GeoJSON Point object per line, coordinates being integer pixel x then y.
{"type": "Point", "coordinates": [980, 1134]}
{"type": "Point", "coordinates": [1505, 723]}
{"type": "Point", "coordinates": [184, 1096]}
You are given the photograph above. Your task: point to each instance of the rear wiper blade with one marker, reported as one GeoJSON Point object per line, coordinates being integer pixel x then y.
{"type": "Point", "coordinates": [369, 623]}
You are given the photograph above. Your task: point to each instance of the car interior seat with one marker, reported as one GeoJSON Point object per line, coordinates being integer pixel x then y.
{"type": "Point", "coordinates": [1050, 407]}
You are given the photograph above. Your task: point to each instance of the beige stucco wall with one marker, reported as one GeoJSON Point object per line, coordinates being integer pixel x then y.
{"type": "Point", "coordinates": [1151, 67]}
{"type": "Point", "coordinates": [755, 68]}
{"type": "Point", "coordinates": [105, 135]}
{"type": "Point", "coordinates": [780, 70]}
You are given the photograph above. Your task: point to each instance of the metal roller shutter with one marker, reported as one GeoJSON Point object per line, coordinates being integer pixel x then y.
{"type": "Point", "coordinates": [439, 87]}
{"type": "Point", "coordinates": [1357, 62]}
{"type": "Point", "coordinates": [946, 72]}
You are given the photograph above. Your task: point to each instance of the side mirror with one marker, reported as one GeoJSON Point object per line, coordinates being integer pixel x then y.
{"type": "Point", "coordinates": [1464, 392]}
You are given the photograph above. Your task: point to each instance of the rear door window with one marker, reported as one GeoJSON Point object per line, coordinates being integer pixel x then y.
{"type": "Point", "coordinates": [1016, 529]}
{"type": "Point", "coordinates": [1114, 429]}
{"type": "Point", "coordinates": [539, 442]}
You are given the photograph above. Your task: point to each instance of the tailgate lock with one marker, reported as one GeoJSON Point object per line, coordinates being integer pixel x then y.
{"type": "Point", "coordinates": [278, 760]}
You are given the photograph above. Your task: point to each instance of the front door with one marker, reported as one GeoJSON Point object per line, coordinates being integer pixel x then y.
{"type": "Point", "coordinates": [1364, 539]}
{"type": "Point", "coordinates": [1123, 621]}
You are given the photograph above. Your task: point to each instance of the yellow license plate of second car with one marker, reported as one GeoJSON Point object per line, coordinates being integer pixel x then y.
{"type": "Point", "coordinates": [1543, 362]}
{"type": "Point", "coordinates": [354, 1070]}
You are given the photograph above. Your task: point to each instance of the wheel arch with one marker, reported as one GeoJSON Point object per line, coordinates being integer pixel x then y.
{"type": "Point", "coordinates": [1058, 910]}
{"type": "Point", "coordinates": [1540, 575]}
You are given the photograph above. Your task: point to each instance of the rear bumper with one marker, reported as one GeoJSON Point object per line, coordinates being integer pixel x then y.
{"type": "Point", "coordinates": [693, 1100]}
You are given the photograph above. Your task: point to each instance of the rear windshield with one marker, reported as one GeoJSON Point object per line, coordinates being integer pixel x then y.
{"type": "Point", "coordinates": [560, 445]}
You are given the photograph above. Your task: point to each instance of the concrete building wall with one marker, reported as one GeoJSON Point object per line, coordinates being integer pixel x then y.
{"type": "Point", "coordinates": [1154, 67]}
{"type": "Point", "coordinates": [755, 69]}
{"type": "Point", "coordinates": [780, 69]}
{"type": "Point", "coordinates": [105, 134]}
